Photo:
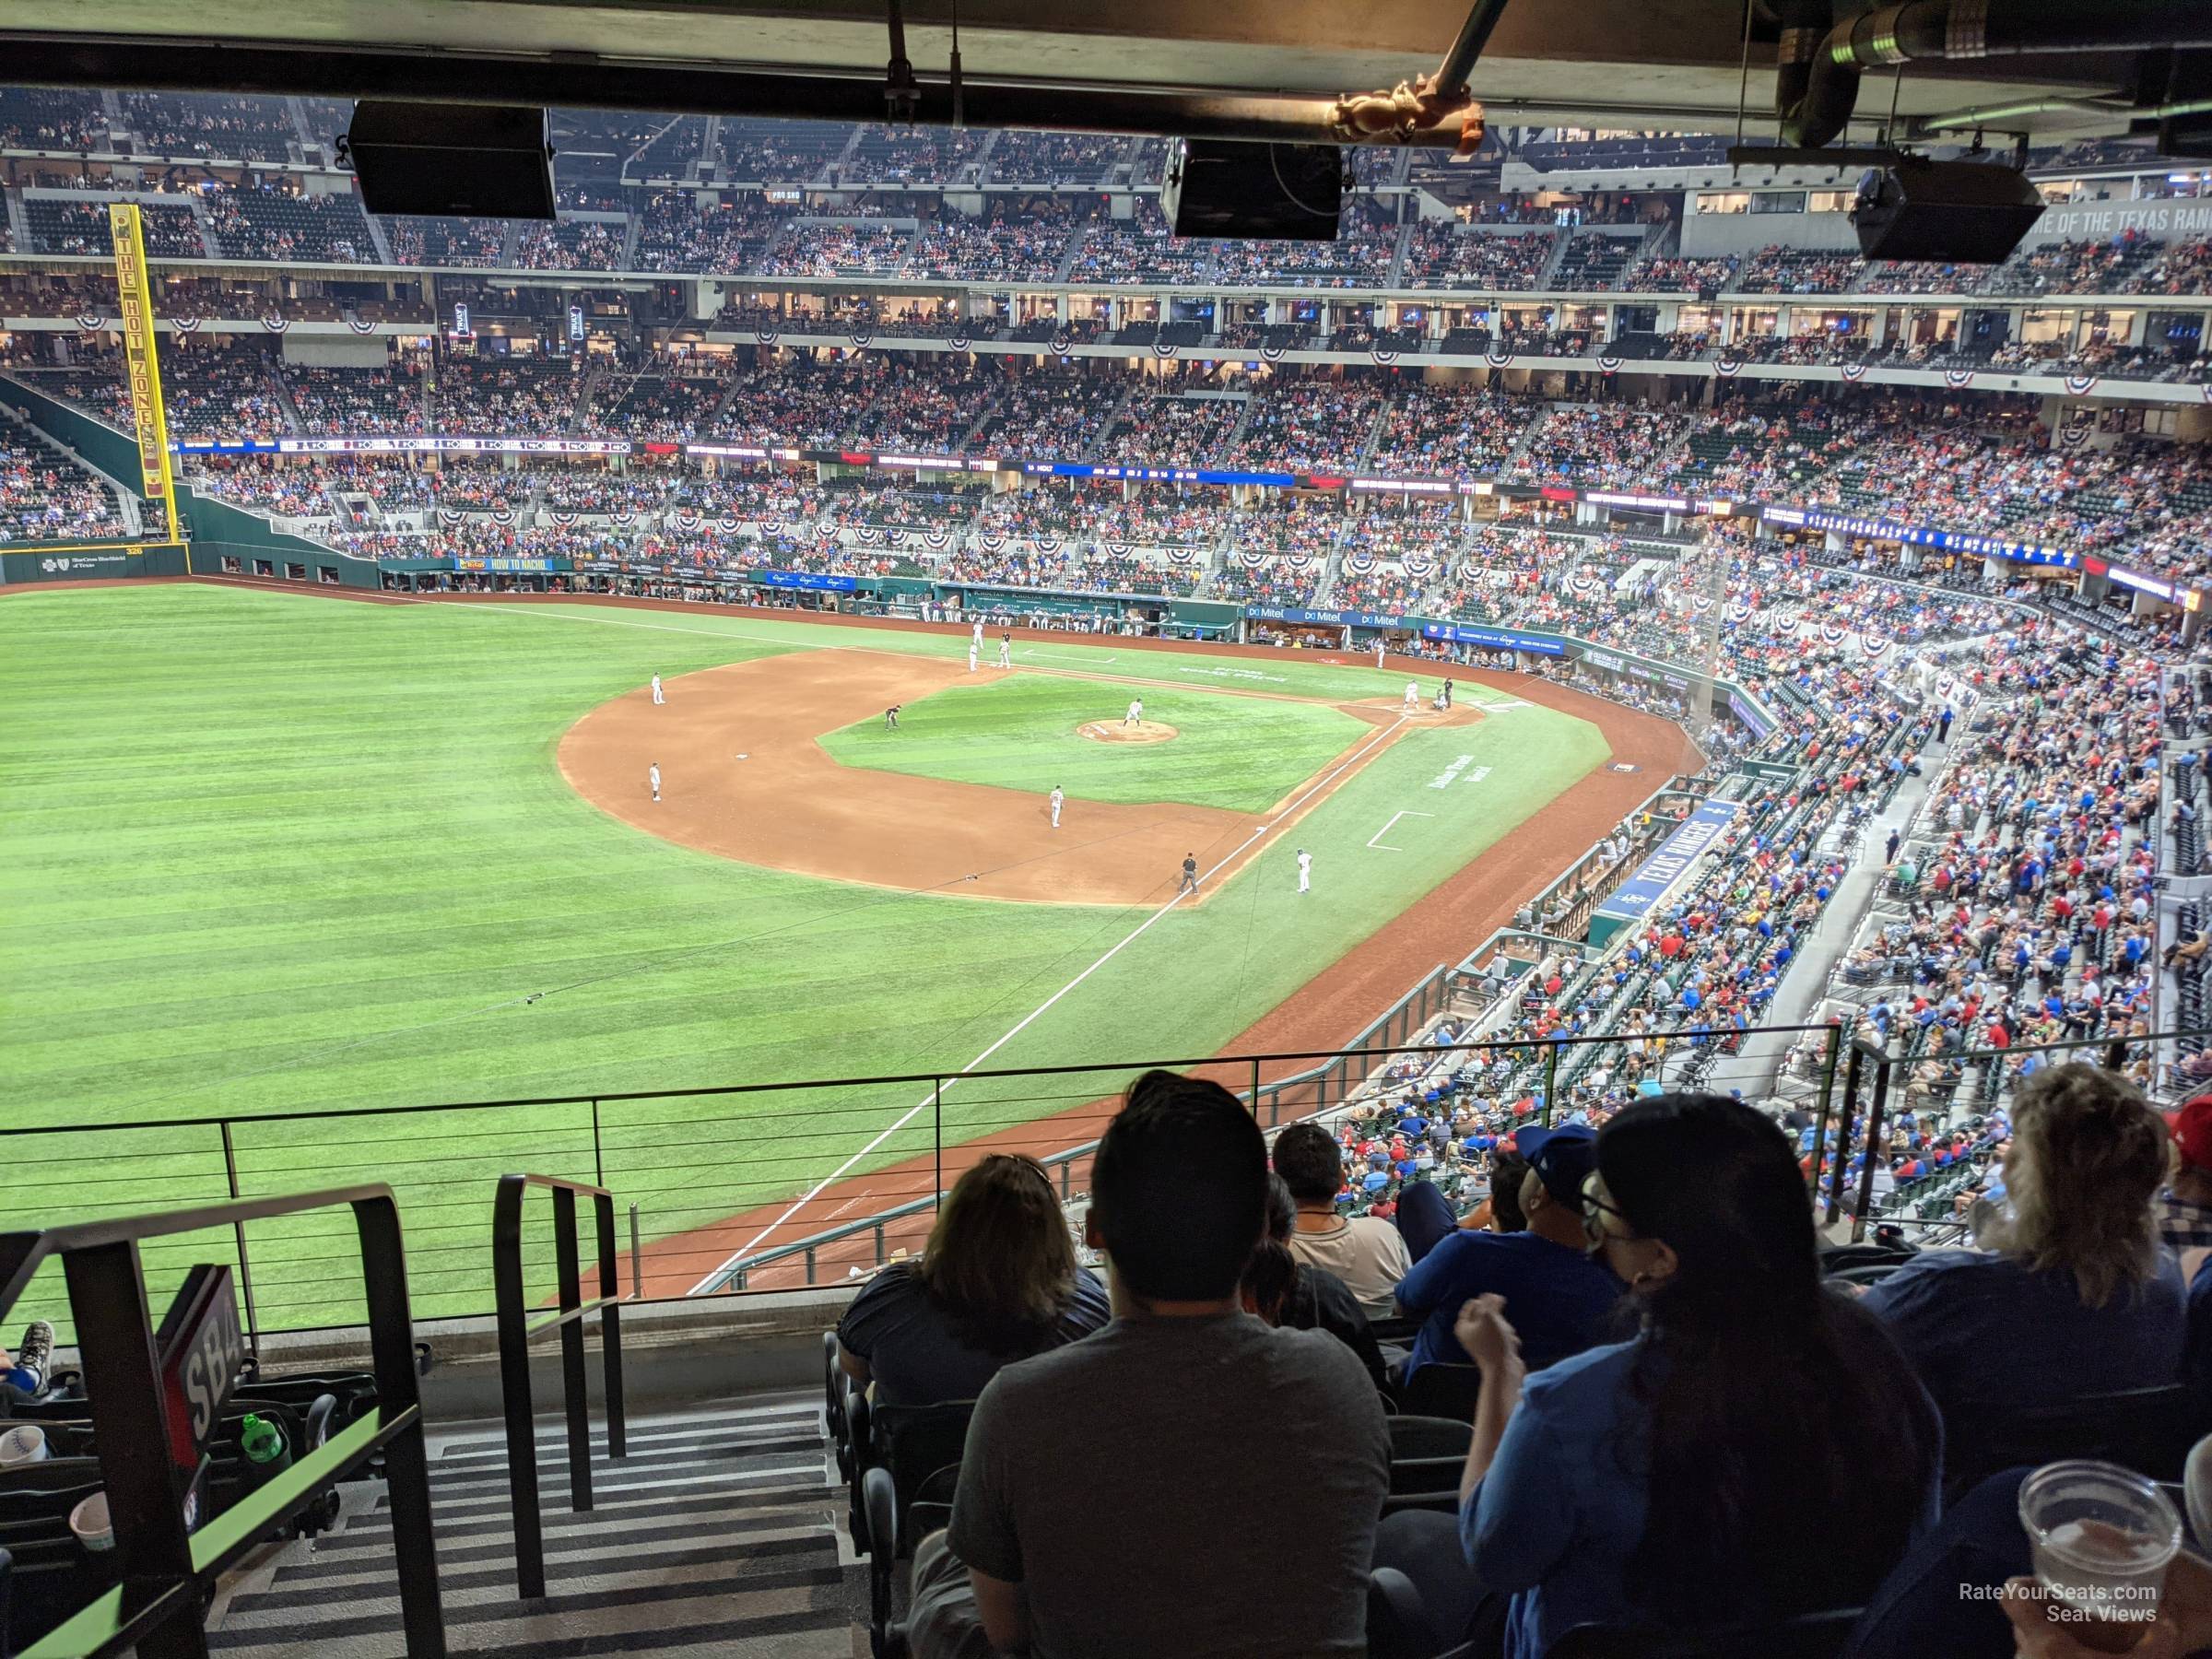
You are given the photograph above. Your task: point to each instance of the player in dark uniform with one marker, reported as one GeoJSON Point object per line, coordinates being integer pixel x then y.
{"type": "Point", "coordinates": [890, 717]}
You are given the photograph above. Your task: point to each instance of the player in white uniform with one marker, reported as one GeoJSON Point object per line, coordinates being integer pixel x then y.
{"type": "Point", "coordinates": [1137, 711]}
{"type": "Point", "coordinates": [652, 775]}
{"type": "Point", "coordinates": [1305, 869]}
{"type": "Point", "coordinates": [975, 648]}
{"type": "Point", "coordinates": [1378, 653]}
{"type": "Point", "coordinates": [1056, 797]}
{"type": "Point", "coordinates": [657, 690]}
{"type": "Point", "coordinates": [1413, 696]}
{"type": "Point", "coordinates": [976, 639]}
{"type": "Point", "coordinates": [1006, 651]}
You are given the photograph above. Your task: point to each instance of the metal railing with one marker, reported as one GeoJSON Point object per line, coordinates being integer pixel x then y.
{"type": "Point", "coordinates": [165, 1571]}
{"type": "Point", "coordinates": [768, 1185]}
{"type": "Point", "coordinates": [517, 1329]}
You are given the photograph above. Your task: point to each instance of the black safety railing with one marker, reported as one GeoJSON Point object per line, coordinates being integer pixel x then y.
{"type": "Point", "coordinates": [164, 1571]}
{"type": "Point", "coordinates": [517, 1330]}
{"type": "Point", "coordinates": [1885, 1073]}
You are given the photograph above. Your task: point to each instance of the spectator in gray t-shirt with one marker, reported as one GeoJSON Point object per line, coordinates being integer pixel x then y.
{"type": "Point", "coordinates": [1188, 1480]}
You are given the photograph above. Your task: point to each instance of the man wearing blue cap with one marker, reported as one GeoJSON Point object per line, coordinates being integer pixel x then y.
{"type": "Point", "coordinates": [1558, 1299]}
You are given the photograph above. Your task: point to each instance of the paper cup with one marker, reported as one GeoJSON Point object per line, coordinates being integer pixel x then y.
{"type": "Point", "coordinates": [24, 1443]}
{"type": "Point", "coordinates": [89, 1520]}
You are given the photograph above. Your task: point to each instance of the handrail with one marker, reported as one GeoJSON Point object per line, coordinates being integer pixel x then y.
{"type": "Point", "coordinates": [161, 1568]}
{"type": "Point", "coordinates": [733, 1276]}
{"type": "Point", "coordinates": [516, 1329]}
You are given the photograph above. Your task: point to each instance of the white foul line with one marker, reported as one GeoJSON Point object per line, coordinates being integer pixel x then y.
{"type": "Point", "coordinates": [1374, 840]}
{"type": "Point", "coordinates": [1138, 932]}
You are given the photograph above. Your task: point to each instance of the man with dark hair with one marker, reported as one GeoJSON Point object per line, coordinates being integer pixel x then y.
{"type": "Point", "coordinates": [1558, 1299]}
{"type": "Point", "coordinates": [1189, 1479]}
{"type": "Point", "coordinates": [1366, 1253]}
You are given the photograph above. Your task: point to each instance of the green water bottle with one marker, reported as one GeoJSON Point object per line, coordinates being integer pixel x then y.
{"type": "Point", "coordinates": [263, 1444]}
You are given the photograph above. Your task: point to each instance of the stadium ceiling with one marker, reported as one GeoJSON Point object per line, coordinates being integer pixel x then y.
{"type": "Point", "coordinates": [1165, 66]}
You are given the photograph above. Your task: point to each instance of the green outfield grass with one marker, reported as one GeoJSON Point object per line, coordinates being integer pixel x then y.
{"type": "Point", "coordinates": [264, 853]}
{"type": "Point", "coordinates": [1241, 753]}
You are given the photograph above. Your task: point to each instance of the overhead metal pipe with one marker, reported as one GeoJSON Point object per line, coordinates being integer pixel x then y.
{"type": "Point", "coordinates": [1910, 30]}
{"type": "Point", "coordinates": [2119, 112]}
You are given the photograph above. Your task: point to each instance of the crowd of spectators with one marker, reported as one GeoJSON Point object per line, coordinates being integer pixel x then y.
{"type": "Point", "coordinates": [44, 496]}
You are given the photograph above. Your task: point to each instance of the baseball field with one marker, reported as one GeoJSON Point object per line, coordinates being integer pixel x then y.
{"type": "Point", "coordinates": [264, 853]}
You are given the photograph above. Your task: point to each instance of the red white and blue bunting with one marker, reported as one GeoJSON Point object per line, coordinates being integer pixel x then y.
{"type": "Point", "coordinates": [685, 522]}
{"type": "Point", "coordinates": [1061, 344]}
{"type": "Point", "coordinates": [936, 541]}
{"type": "Point", "coordinates": [275, 324]}
{"type": "Point", "coordinates": [862, 341]}
{"type": "Point", "coordinates": [1271, 354]}
{"type": "Point", "coordinates": [1726, 367]}
{"type": "Point", "coordinates": [728, 522]}
{"type": "Point", "coordinates": [1852, 371]}
{"type": "Point", "coordinates": [1360, 563]}
{"type": "Point", "coordinates": [91, 321]}
{"type": "Point", "coordinates": [990, 540]}
{"type": "Point", "coordinates": [1383, 355]}
{"type": "Point", "coordinates": [2081, 385]}
{"type": "Point", "coordinates": [360, 326]}
{"type": "Point", "coordinates": [186, 326]}
{"type": "Point", "coordinates": [1418, 564]}
{"type": "Point", "coordinates": [1045, 544]}
{"type": "Point", "coordinates": [1253, 559]}
{"type": "Point", "coordinates": [1499, 360]}
{"type": "Point", "coordinates": [1119, 549]}
{"type": "Point", "coordinates": [1957, 380]}
{"type": "Point", "coordinates": [961, 339]}
{"type": "Point", "coordinates": [1608, 365]}
{"type": "Point", "coordinates": [767, 336]}
{"type": "Point", "coordinates": [1162, 348]}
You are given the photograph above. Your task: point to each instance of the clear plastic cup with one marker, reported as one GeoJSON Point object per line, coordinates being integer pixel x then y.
{"type": "Point", "coordinates": [2101, 1537]}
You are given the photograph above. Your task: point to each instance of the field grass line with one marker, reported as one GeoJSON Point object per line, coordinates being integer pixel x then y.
{"type": "Point", "coordinates": [1282, 816]}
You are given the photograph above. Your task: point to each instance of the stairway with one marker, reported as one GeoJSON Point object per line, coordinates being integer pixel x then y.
{"type": "Point", "coordinates": [18, 227]}
{"type": "Point", "coordinates": [716, 1533]}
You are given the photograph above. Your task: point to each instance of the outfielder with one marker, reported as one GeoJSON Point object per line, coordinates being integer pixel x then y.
{"type": "Point", "coordinates": [652, 775]}
{"type": "Point", "coordinates": [1006, 651]}
{"type": "Point", "coordinates": [1056, 798]}
{"type": "Point", "coordinates": [1190, 874]}
{"type": "Point", "coordinates": [1305, 869]}
{"type": "Point", "coordinates": [1137, 711]}
{"type": "Point", "coordinates": [657, 690]}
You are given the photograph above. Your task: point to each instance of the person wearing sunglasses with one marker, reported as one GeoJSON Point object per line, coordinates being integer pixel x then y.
{"type": "Point", "coordinates": [1756, 1448]}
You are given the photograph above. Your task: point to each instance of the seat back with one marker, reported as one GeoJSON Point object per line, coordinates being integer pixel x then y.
{"type": "Point", "coordinates": [1412, 1436]}
{"type": "Point", "coordinates": [2147, 1430]}
{"type": "Point", "coordinates": [1808, 1636]}
{"type": "Point", "coordinates": [1397, 1625]}
{"type": "Point", "coordinates": [51, 1575]}
{"type": "Point", "coordinates": [1442, 1390]}
{"type": "Point", "coordinates": [910, 1443]}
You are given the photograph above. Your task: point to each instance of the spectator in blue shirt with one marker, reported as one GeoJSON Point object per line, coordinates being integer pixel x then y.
{"type": "Point", "coordinates": [1759, 1449]}
{"type": "Point", "coordinates": [2077, 1296]}
{"type": "Point", "coordinates": [1558, 1299]}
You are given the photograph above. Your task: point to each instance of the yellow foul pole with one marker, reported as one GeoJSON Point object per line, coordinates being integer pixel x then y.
{"type": "Point", "coordinates": [143, 364]}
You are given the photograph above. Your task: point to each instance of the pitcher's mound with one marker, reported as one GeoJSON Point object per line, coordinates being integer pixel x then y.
{"type": "Point", "coordinates": [1115, 730]}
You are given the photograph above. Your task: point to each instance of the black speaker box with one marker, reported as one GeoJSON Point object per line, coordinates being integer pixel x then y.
{"type": "Point", "coordinates": [473, 161]}
{"type": "Point", "coordinates": [1952, 212]}
{"type": "Point", "coordinates": [1227, 187]}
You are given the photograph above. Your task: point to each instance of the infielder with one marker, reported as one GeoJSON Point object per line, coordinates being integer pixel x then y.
{"type": "Point", "coordinates": [975, 648]}
{"type": "Point", "coordinates": [657, 690]}
{"type": "Point", "coordinates": [1137, 711]}
{"type": "Point", "coordinates": [1190, 874]}
{"type": "Point", "coordinates": [1413, 696]}
{"type": "Point", "coordinates": [1056, 798]}
{"type": "Point", "coordinates": [652, 775]}
{"type": "Point", "coordinates": [1006, 651]}
{"type": "Point", "coordinates": [1305, 869]}
{"type": "Point", "coordinates": [890, 717]}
